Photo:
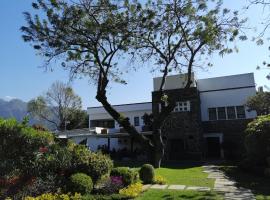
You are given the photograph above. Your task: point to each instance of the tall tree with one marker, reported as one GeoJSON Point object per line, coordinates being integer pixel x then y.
{"type": "Point", "coordinates": [60, 106]}
{"type": "Point", "coordinates": [260, 103]}
{"type": "Point", "coordinates": [92, 35]}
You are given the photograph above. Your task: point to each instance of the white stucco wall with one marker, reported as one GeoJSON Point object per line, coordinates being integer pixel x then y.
{"type": "Point", "coordinates": [128, 110]}
{"type": "Point", "coordinates": [226, 91]}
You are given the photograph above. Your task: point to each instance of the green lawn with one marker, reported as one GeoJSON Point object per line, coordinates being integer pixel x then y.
{"type": "Point", "coordinates": [260, 186]}
{"type": "Point", "coordinates": [180, 173]}
{"type": "Point", "coordinates": [191, 176]}
{"type": "Point", "coordinates": [177, 195]}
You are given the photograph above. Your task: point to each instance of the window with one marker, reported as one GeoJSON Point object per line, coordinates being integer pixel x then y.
{"type": "Point", "coordinates": [221, 113]}
{"type": "Point", "coordinates": [182, 106]}
{"type": "Point", "coordinates": [212, 113]}
{"type": "Point", "coordinates": [136, 121]}
{"type": "Point", "coordinates": [240, 110]}
{"type": "Point", "coordinates": [231, 112]}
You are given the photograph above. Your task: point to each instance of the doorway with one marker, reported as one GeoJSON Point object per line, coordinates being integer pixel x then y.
{"type": "Point", "coordinates": [213, 145]}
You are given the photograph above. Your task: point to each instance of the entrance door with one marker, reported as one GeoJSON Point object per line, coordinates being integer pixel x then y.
{"type": "Point", "coordinates": [177, 149]}
{"type": "Point", "coordinates": [213, 147]}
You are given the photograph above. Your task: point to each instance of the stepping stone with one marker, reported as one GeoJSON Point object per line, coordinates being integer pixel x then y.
{"type": "Point", "coordinates": [198, 188]}
{"type": "Point", "coordinates": [156, 186]}
{"type": "Point", "coordinates": [146, 187]}
{"type": "Point", "coordinates": [176, 187]}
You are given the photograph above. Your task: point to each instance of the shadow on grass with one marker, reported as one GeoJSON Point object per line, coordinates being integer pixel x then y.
{"type": "Point", "coordinates": [179, 195]}
{"type": "Point", "coordinates": [258, 184]}
{"type": "Point", "coordinates": [165, 164]}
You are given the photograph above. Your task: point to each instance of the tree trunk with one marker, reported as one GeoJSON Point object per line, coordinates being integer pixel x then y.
{"type": "Point", "coordinates": [158, 148]}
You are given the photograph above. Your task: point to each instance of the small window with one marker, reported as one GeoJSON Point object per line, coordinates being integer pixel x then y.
{"type": "Point", "coordinates": [212, 113]}
{"type": "Point", "coordinates": [182, 106]}
{"type": "Point", "coordinates": [221, 113]}
{"type": "Point", "coordinates": [241, 114]}
{"type": "Point", "coordinates": [231, 112]}
{"type": "Point", "coordinates": [136, 121]}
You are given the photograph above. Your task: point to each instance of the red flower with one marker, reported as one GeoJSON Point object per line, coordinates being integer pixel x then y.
{"type": "Point", "coordinates": [43, 149]}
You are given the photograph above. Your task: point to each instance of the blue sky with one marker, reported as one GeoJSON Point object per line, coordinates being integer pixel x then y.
{"type": "Point", "coordinates": [21, 76]}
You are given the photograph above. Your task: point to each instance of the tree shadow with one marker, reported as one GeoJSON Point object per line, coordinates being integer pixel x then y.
{"type": "Point", "coordinates": [258, 184]}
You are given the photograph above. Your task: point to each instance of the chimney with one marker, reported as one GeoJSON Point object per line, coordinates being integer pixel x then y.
{"type": "Point", "coordinates": [260, 89]}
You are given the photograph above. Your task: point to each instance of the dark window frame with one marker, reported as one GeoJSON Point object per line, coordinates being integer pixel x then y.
{"type": "Point", "coordinates": [136, 121]}
{"type": "Point", "coordinates": [210, 116]}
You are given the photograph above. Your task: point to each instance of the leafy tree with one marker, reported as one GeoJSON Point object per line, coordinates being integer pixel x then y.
{"type": "Point", "coordinates": [59, 106]}
{"type": "Point", "coordinates": [91, 36]}
{"type": "Point", "coordinates": [260, 103]}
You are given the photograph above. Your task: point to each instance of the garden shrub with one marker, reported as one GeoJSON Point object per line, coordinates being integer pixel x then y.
{"type": "Point", "coordinates": [147, 173]}
{"type": "Point", "coordinates": [129, 175]}
{"type": "Point", "coordinates": [160, 180]}
{"type": "Point", "coordinates": [111, 185]}
{"type": "Point", "coordinates": [132, 190]}
{"type": "Point", "coordinates": [18, 146]}
{"type": "Point", "coordinates": [38, 186]}
{"type": "Point", "coordinates": [50, 196]}
{"type": "Point", "coordinates": [93, 164]}
{"type": "Point", "coordinates": [257, 140]}
{"type": "Point", "coordinates": [105, 197]}
{"type": "Point", "coordinates": [81, 183]}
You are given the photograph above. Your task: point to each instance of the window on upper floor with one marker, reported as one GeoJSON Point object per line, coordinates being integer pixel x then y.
{"type": "Point", "coordinates": [212, 112]}
{"type": "Point", "coordinates": [182, 106]}
{"type": "Point", "coordinates": [136, 121]}
{"type": "Point", "coordinates": [240, 110]}
{"type": "Point", "coordinates": [221, 113]}
{"type": "Point", "coordinates": [231, 112]}
{"type": "Point", "coordinates": [226, 113]}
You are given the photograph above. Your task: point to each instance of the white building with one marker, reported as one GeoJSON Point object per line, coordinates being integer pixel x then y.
{"type": "Point", "coordinates": [213, 113]}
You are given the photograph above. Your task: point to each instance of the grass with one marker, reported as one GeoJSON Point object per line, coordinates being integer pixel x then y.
{"type": "Point", "coordinates": [260, 186]}
{"type": "Point", "coordinates": [178, 195]}
{"type": "Point", "coordinates": [180, 173]}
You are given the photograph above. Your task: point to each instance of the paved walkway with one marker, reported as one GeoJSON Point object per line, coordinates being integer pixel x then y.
{"type": "Point", "coordinates": [176, 187]}
{"type": "Point", "coordinates": [227, 187]}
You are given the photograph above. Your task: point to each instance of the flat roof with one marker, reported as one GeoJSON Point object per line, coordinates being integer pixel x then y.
{"type": "Point", "coordinates": [126, 104]}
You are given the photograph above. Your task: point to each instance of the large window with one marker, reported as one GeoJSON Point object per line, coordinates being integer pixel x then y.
{"type": "Point", "coordinates": [136, 121]}
{"type": "Point", "coordinates": [240, 112]}
{"type": "Point", "coordinates": [221, 113]}
{"type": "Point", "coordinates": [102, 123]}
{"type": "Point", "coordinates": [212, 113]}
{"type": "Point", "coordinates": [230, 112]}
{"type": "Point", "coordinates": [182, 106]}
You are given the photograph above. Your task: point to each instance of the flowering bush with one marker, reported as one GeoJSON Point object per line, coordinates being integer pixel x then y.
{"type": "Point", "coordinates": [111, 185]}
{"type": "Point", "coordinates": [128, 175]}
{"type": "Point", "coordinates": [50, 196]}
{"type": "Point", "coordinates": [160, 180]}
{"type": "Point", "coordinates": [132, 190]}
{"type": "Point", "coordinates": [117, 180]}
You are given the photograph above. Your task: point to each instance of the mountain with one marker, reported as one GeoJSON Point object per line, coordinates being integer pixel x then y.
{"type": "Point", "coordinates": [14, 108]}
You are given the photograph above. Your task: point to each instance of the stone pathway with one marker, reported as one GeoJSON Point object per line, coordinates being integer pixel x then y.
{"type": "Point", "coordinates": [227, 187]}
{"type": "Point", "coordinates": [175, 187]}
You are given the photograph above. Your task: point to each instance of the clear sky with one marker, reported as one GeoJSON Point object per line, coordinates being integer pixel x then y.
{"type": "Point", "coordinates": [21, 77]}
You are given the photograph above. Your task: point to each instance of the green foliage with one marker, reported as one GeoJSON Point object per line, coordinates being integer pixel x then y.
{"type": "Point", "coordinates": [260, 103]}
{"type": "Point", "coordinates": [147, 174]}
{"type": "Point", "coordinates": [59, 105]}
{"type": "Point", "coordinates": [128, 175]}
{"type": "Point", "coordinates": [257, 140]}
{"type": "Point", "coordinates": [93, 164]}
{"type": "Point", "coordinates": [81, 183]}
{"type": "Point", "coordinates": [50, 196]}
{"type": "Point", "coordinates": [19, 145]}
{"type": "Point", "coordinates": [132, 190]}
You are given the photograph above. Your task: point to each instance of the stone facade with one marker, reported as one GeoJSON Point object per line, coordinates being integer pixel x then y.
{"type": "Point", "coordinates": [181, 130]}
{"type": "Point", "coordinates": [233, 135]}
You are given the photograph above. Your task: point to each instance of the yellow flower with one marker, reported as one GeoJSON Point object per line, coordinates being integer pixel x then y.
{"type": "Point", "coordinates": [132, 190]}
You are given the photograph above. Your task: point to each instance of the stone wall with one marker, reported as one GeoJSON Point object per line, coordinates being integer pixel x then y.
{"type": "Point", "coordinates": [181, 130]}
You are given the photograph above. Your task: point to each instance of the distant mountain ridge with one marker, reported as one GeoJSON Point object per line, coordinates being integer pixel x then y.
{"type": "Point", "coordinates": [14, 108]}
